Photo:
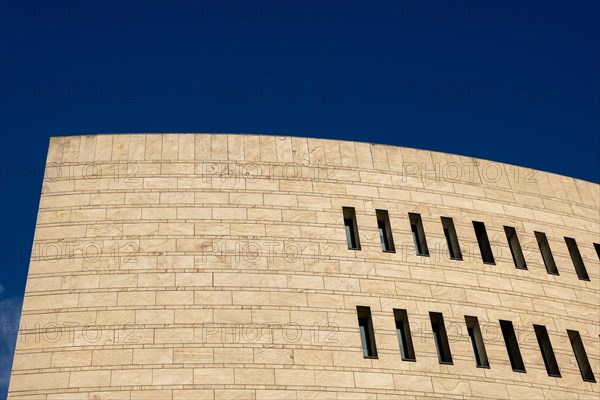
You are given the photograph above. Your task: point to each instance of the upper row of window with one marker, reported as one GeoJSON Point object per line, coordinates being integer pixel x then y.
{"type": "Point", "coordinates": [420, 241]}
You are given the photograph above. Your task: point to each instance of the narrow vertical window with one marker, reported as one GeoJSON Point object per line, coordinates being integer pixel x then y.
{"type": "Point", "coordinates": [418, 233]}
{"type": "Point", "coordinates": [351, 228]}
{"type": "Point", "coordinates": [440, 338]}
{"type": "Point", "coordinates": [597, 247]}
{"type": "Point", "coordinates": [577, 260]}
{"type": "Point", "coordinates": [515, 247]}
{"type": "Point", "coordinates": [476, 339]}
{"type": "Point", "coordinates": [451, 239]}
{"type": "Point", "coordinates": [547, 352]}
{"type": "Point", "coordinates": [367, 335]}
{"type": "Point", "coordinates": [546, 253]}
{"type": "Point", "coordinates": [385, 231]}
{"type": "Point", "coordinates": [407, 350]}
{"type": "Point", "coordinates": [484, 242]}
{"type": "Point", "coordinates": [581, 356]}
{"type": "Point", "coordinates": [512, 346]}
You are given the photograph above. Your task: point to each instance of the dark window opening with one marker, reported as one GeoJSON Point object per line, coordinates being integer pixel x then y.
{"type": "Point", "coordinates": [597, 247]}
{"type": "Point", "coordinates": [451, 239]}
{"type": "Point", "coordinates": [476, 339]}
{"type": "Point", "coordinates": [484, 242]}
{"type": "Point", "coordinates": [367, 335]}
{"type": "Point", "coordinates": [351, 228]}
{"type": "Point", "coordinates": [440, 338]}
{"type": "Point", "coordinates": [547, 352]}
{"type": "Point", "coordinates": [418, 233]}
{"type": "Point", "coordinates": [546, 253]}
{"type": "Point", "coordinates": [512, 346]}
{"type": "Point", "coordinates": [385, 231]}
{"type": "Point", "coordinates": [407, 350]}
{"type": "Point", "coordinates": [577, 259]}
{"type": "Point", "coordinates": [581, 356]}
{"type": "Point", "coordinates": [515, 247]}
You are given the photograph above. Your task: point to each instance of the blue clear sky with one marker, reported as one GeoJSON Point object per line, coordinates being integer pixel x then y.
{"type": "Point", "coordinates": [516, 82]}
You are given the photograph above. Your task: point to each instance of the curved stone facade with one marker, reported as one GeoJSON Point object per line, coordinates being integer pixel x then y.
{"type": "Point", "coordinates": [201, 266]}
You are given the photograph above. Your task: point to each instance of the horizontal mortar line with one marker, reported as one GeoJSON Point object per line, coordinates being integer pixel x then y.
{"type": "Point", "coordinates": [111, 206]}
{"type": "Point", "coordinates": [274, 272]}
{"type": "Point", "coordinates": [340, 182]}
{"type": "Point", "coordinates": [236, 221]}
{"type": "Point", "coordinates": [303, 387]}
{"type": "Point", "coordinates": [279, 272]}
{"type": "Point", "coordinates": [192, 307]}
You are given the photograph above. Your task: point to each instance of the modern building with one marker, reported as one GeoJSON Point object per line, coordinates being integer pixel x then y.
{"type": "Point", "coordinates": [214, 266]}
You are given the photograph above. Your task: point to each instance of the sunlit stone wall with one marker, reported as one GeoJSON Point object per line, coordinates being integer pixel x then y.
{"type": "Point", "coordinates": [213, 266]}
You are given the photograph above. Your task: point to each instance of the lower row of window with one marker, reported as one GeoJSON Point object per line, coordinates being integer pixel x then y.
{"type": "Point", "coordinates": [438, 328]}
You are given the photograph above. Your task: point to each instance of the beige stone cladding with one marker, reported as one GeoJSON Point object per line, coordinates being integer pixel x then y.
{"type": "Point", "coordinates": [216, 266]}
